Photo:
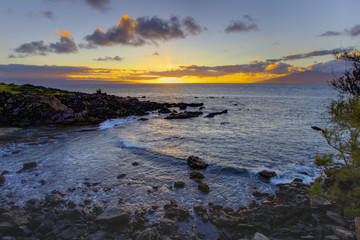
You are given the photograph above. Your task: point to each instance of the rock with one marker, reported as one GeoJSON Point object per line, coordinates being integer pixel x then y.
{"type": "Point", "coordinates": [267, 174]}
{"type": "Point", "coordinates": [143, 119]}
{"type": "Point", "coordinates": [183, 115]}
{"type": "Point", "coordinates": [27, 166]}
{"type": "Point", "coordinates": [203, 187]}
{"type": "Point", "coordinates": [260, 236]}
{"type": "Point", "coordinates": [168, 225]}
{"type": "Point", "coordinates": [5, 172]}
{"type": "Point", "coordinates": [53, 199]}
{"type": "Point", "coordinates": [73, 232]}
{"type": "Point", "coordinates": [317, 128]}
{"type": "Point", "coordinates": [114, 215]}
{"type": "Point", "coordinates": [148, 234]}
{"type": "Point", "coordinates": [342, 233]}
{"type": "Point", "coordinates": [2, 180]}
{"type": "Point", "coordinates": [196, 175]}
{"type": "Point", "coordinates": [135, 164]}
{"type": "Point", "coordinates": [164, 110]}
{"type": "Point", "coordinates": [179, 184]}
{"type": "Point", "coordinates": [121, 176]}
{"type": "Point", "coordinates": [210, 115]}
{"type": "Point", "coordinates": [177, 212]}
{"type": "Point", "coordinates": [196, 162]}
{"type": "Point", "coordinates": [336, 218]}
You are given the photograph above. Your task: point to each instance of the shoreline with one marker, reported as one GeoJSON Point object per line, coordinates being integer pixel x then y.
{"type": "Point", "coordinates": [289, 214]}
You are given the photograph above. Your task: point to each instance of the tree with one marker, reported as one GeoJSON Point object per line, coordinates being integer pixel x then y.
{"type": "Point", "coordinates": [340, 179]}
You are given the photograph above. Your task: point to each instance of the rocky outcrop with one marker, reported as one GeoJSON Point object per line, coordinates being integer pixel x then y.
{"type": "Point", "coordinates": [27, 166]}
{"type": "Point", "coordinates": [267, 174]}
{"type": "Point", "coordinates": [183, 115]}
{"type": "Point", "coordinates": [196, 162]}
{"type": "Point", "coordinates": [211, 115]}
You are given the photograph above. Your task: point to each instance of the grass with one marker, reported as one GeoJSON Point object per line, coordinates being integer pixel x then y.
{"type": "Point", "coordinates": [32, 90]}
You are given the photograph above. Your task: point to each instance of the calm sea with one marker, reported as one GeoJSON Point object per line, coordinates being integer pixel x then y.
{"type": "Point", "coordinates": [268, 126]}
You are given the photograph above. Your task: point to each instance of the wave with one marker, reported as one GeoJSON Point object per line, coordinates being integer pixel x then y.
{"type": "Point", "coordinates": [114, 123]}
{"type": "Point", "coordinates": [131, 144]}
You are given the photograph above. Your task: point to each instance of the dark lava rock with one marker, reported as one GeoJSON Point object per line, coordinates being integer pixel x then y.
{"type": "Point", "coordinates": [121, 176]}
{"type": "Point", "coordinates": [164, 110]}
{"type": "Point", "coordinates": [2, 180]}
{"type": "Point", "coordinates": [27, 166]}
{"type": "Point", "coordinates": [179, 213]}
{"type": "Point", "coordinates": [267, 174]}
{"type": "Point", "coordinates": [135, 164]}
{"type": "Point", "coordinates": [210, 115]}
{"type": "Point", "coordinates": [179, 184]}
{"type": "Point", "coordinates": [114, 215]}
{"type": "Point", "coordinates": [143, 119]}
{"type": "Point", "coordinates": [168, 225]}
{"type": "Point", "coordinates": [196, 162]}
{"type": "Point", "coordinates": [317, 128]}
{"type": "Point", "coordinates": [196, 175]}
{"type": "Point", "coordinates": [203, 187]}
{"type": "Point", "coordinates": [183, 115]}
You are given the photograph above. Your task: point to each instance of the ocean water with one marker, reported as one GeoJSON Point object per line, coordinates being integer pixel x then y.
{"type": "Point", "coordinates": [268, 126]}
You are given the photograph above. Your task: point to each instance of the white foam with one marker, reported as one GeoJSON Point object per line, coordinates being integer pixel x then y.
{"type": "Point", "coordinates": [113, 123]}
{"type": "Point", "coordinates": [131, 144]}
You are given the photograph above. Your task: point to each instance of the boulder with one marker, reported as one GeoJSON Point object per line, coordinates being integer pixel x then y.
{"type": "Point", "coordinates": [196, 175]}
{"type": "Point", "coordinates": [179, 184]}
{"type": "Point", "coordinates": [196, 162]}
{"type": "Point", "coordinates": [267, 174]}
{"type": "Point", "coordinates": [210, 115]}
{"type": "Point", "coordinates": [114, 215]}
{"type": "Point", "coordinates": [168, 225]}
{"type": "Point", "coordinates": [175, 212]}
{"type": "Point", "coordinates": [27, 166]}
{"type": "Point", "coordinates": [203, 187]}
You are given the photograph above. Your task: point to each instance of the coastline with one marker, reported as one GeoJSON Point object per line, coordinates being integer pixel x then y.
{"type": "Point", "coordinates": [56, 217]}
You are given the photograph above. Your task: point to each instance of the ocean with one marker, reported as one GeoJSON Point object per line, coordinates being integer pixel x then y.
{"type": "Point", "coordinates": [129, 163]}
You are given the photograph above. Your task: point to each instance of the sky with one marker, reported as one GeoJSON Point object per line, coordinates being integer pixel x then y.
{"type": "Point", "coordinates": [175, 41]}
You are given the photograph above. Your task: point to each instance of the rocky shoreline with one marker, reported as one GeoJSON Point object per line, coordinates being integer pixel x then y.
{"type": "Point", "coordinates": [35, 105]}
{"type": "Point", "coordinates": [289, 214]}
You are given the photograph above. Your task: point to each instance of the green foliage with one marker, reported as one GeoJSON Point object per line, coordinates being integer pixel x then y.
{"type": "Point", "coordinates": [31, 89]}
{"type": "Point", "coordinates": [340, 180]}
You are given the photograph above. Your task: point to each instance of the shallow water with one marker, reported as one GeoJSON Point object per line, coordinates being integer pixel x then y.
{"type": "Point", "coordinates": [268, 126]}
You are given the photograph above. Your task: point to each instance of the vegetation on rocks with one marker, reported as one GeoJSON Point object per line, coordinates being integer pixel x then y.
{"type": "Point", "coordinates": [340, 181]}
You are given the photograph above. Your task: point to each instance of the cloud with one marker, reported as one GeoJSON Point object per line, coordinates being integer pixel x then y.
{"type": "Point", "coordinates": [330, 34]}
{"type": "Point", "coordinates": [155, 54]}
{"type": "Point", "coordinates": [9, 11]}
{"type": "Point", "coordinates": [242, 26]}
{"type": "Point", "coordinates": [65, 45]}
{"type": "Point", "coordinates": [116, 58]}
{"type": "Point", "coordinates": [354, 31]}
{"type": "Point", "coordinates": [333, 66]}
{"type": "Point", "coordinates": [48, 14]}
{"type": "Point", "coordinates": [102, 5]}
{"type": "Point", "coordinates": [143, 30]}
{"type": "Point", "coordinates": [191, 26]}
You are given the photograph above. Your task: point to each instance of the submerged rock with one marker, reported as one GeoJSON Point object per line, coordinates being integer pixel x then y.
{"type": "Point", "coordinates": [196, 162]}
{"type": "Point", "coordinates": [203, 187]}
{"type": "Point", "coordinates": [210, 115]}
{"type": "Point", "coordinates": [183, 115]}
{"type": "Point", "coordinates": [179, 184]}
{"type": "Point", "coordinates": [2, 180]}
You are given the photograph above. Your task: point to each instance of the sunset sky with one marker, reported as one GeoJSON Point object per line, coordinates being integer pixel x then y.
{"type": "Point", "coordinates": [168, 41]}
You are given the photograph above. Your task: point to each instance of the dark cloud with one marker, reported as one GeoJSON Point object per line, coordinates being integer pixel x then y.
{"type": "Point", "coordinates": [65, 45]}
{"type": "Point", "coordinates": [48, 14]}
{"type": "Point", "coordinates": [330, 34]}
{"type": "Point", "coordinates": [191, 26]}
{"type": "Point", "coordinates": [9, 11]}
{"type": "Point", "coordinates": [99, 4]}
{"type": "Point", "coordinates": [155, 54]}
{"type": "Point", "coordinates": [242, 26]}
{"type": "Point", "coordinates": [143, 30]}
{"type": "Point", "coordinates": [354, 31]}
{"type": "Point", "coordinates": [116, 58]}
{"type": "Point", "coordinates": [33, 48]}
